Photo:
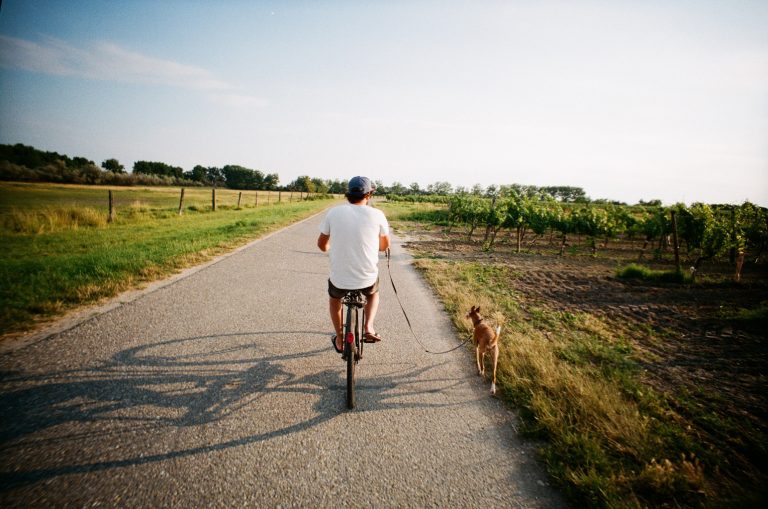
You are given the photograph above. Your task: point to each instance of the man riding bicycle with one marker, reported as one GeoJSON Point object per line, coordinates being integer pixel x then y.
{"type": "Point", "coordinates": [359, 232]}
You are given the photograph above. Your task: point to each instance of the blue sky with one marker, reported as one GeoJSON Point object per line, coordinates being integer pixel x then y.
{"type": "Point", "coordinates": [630, 100]}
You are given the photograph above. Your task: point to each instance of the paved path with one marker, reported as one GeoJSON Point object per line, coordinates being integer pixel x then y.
{"type": "Point", "coordinates": [222, 390]}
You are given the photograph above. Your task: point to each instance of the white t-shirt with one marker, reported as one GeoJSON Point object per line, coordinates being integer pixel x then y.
{"type": "Point", "coordinates": [354, 251]}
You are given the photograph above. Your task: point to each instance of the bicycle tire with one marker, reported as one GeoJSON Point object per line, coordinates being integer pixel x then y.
{"type": "Point", "coordinates": [349, 347]}
{"type": "Point", "coordinates": [359, 338]}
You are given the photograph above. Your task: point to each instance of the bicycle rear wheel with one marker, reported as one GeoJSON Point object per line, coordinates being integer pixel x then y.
{"type": "Point", "coordinates": [349, 350]}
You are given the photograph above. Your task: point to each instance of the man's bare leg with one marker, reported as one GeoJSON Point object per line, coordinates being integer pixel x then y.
{"type": "Point", "coordinates": [334, 305]}
{"type": "Point", "coordinates": [371, 307]}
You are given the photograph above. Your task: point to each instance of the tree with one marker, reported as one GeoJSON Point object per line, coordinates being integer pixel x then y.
{"type": "Point", "coordinates": [91, 174]}
{"type": "Point", "coordinates": [467, 209]}
{"type": "Point", "coordinates": [302, 184]}
{"type": "Point", "coordinates": [513, 215]}
{"type": "Point", "coordinates": [157, 168]}
{"type": "Point", "coordinates": [238, 177]}
{"type": "Point", "coordinates": [415, 188]}
{"type": "Point", "coordinates": [380, 187]}
{"type": "Point", "coordinates": [491, 191]}
{"type": "Point", "coordinates": [704, 231]}
{"type": "Point", "coordinates": [440, 188]}
{"type": "Point", "coordinates": [752, 228]}
{"type": "Point", "coordinates": [653, 224]}
{"type": "Point", "coordinates": [214, 176]}
{"type": "Point", "coordinates": [79, 162]}
{"type": "Point", "coordinates": [320, 185]}
{"type": "Point", "coordinates": [271, 181]}
{"type": "Point", "coordinates": [113, 165]}
{"type": "Point", "coordinates": [562, 222]}
{"type": "Point", "coordinates": [567, 194]}
{"type": "Point", "coordinates": [198, 174]}
{"type": "Point", "coordinates": [590, 221]}
{"type": "Point", "coordinates": [337, 187]}
{"type": "Point", "coordinates": [397, 188]}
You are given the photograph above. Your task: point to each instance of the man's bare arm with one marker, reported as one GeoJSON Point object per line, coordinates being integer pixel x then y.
{"type": "Point", "coordinates": [324, 242]}
{"type": "Point", "coordinates": [383, 242]}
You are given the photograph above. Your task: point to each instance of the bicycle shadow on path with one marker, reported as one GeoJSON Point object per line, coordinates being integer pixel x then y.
{"type": "Point", "coordinates": [171, 387]}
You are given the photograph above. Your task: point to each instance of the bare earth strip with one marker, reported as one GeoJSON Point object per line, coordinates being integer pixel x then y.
{"type": "Point", "coordinates": [222, 389]}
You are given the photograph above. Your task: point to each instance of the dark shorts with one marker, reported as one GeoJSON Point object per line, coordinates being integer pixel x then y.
{"type": "Point", "coordinates": [338, 293]}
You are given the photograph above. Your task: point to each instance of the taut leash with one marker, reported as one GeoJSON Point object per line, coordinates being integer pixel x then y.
{"type": "Point", "coordinates": [408, 321]}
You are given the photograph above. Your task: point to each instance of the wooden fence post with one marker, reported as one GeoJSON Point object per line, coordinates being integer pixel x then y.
{"type": "Point", "coordinates": [213, 197]}
{"type": "Point", "coordinates": [290, 198]}
{"type": "Point", "coordinates": [733, 239]}
{"type": "Point", "coordinates": [257, 199]}
{"type": "Point", "coordinates": [739, 265]}
{"type": "Point", "coordinates": [239, 195]}
{"type": "Point", "coordinates": [674, 239]}
{"type": "Point", "coordinates": [268, 197]}
{"type": "Point", "coordinates": [181, 201]}
{"type": "Point", "coordinates": [111, 208]}
{"type": "Point", "coordinates": [279, 197]}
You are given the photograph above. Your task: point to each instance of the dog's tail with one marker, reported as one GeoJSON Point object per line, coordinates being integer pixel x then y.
{"type": "Point", "coordinates": [498, 330]}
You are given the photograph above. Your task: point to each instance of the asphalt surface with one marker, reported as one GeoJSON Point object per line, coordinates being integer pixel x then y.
{"type": "Point", "coordinates": [221, 389]}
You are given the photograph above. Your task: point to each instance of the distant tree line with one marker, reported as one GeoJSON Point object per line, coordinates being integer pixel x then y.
{"type": "Point", "coordinates": [24, 163]}
{"type": "Point", "coordinates": [30, 157]}
{"type": "Point", "coordinates": [438, 191]}
{"type": "Point", "coordinates": [27, 164]}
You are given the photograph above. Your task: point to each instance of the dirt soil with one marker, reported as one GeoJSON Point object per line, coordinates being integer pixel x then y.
{"type": "Point", "coordinates": [685, 336]}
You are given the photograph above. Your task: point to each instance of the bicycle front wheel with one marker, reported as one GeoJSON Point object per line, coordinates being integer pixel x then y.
{"type": "Point", "coordinates": [349, 349]}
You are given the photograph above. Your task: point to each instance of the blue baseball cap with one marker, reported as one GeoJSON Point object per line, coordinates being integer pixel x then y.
{"type": "Point", "coordinates": [360, 186]}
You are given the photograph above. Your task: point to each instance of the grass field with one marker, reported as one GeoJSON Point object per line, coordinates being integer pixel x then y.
{"type": "Point", "coordinates": [644, 393]}
{"type": "Point", "coordinates": [27, 196]}
{"type": "Point", "coordinates": [60, 252]}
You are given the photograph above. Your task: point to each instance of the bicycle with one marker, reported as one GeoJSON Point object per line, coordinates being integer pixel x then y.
{"type": "Point", "coordinates": [354, 302]}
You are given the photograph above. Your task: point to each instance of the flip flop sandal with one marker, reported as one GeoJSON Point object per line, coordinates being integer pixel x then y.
{"type": "Point", "coordinates": [371, 337]}
{"type": "Point", "coordinates": [333, 342]}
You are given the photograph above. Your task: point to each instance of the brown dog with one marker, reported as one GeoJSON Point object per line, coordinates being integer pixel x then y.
{"type": "Point", "coordinates": [486, 340]}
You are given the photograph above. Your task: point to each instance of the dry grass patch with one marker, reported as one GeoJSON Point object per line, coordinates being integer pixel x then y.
{"type": "Point", "coordinates": [574, 378]}
{"type": "Point", "coordinates": [53, 219]}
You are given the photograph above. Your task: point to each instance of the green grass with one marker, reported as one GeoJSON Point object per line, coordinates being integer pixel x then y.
{"type": "Point", "coordinates": [404, 211]}
{"type": "Point", "coordinates": [45, 271]}
{"type": "Point", "coordinates": [757, 316]}
{"type": "Point", "coordinates": [639, 272]}
{"type": "Point", "coordinates": [755, 319]}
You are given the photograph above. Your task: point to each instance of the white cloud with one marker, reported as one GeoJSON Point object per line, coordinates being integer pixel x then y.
{"type": "Point", "coordinates": [110, 62]}
{"type": "Point", "coordinates": [236, 100]}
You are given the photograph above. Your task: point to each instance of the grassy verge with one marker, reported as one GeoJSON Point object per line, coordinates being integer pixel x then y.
{"type": "Point", "coordinates": [578, 381]}
{"type": "Point", "coordinates": [67, 256]}
{"type": "Point", "coordinates": [610, 441]}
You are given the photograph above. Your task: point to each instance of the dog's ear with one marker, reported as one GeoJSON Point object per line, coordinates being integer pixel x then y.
{"type": "Point", "coordinates": [478, 309]}
{"type": "Point", "coordinates": [473, 310]}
